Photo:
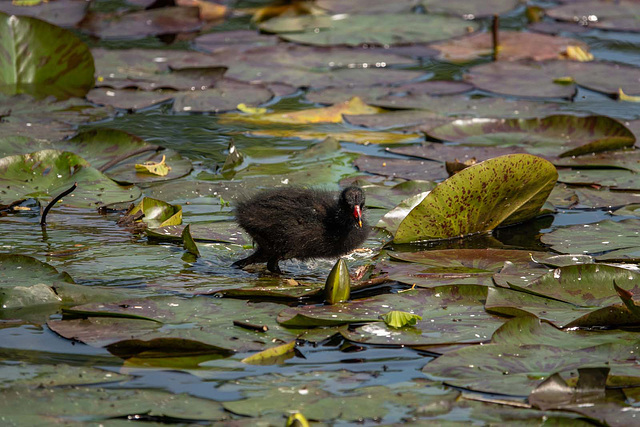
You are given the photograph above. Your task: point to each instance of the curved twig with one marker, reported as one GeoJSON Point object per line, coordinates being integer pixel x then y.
{"type": "Point", "coordinates": [43, 219]}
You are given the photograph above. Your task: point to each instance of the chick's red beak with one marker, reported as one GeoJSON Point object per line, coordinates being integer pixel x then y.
{"type": "Point", "coordinates": [357, 214]}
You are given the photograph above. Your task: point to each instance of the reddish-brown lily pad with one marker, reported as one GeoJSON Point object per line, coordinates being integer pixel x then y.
{"type": "Point", "coordinates": [559, 135]}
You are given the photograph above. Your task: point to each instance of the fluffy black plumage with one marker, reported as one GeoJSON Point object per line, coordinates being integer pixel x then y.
{"type": "Point", "coordinates": [302, 223]}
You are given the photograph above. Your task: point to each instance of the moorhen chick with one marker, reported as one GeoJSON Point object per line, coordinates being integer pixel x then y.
{"type": "Point", "coordinates": [302, 223]}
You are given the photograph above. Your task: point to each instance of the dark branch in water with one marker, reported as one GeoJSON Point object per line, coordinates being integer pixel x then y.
{"type": "Point", "coordinates": [251, 326]}
{"type": "Point", "coordinates": [494, 34]}
{"type": "Point", "coordinates": [43, 219]}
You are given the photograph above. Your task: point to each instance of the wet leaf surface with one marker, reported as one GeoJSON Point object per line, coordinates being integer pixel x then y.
{"type": "Point", "coordinates": [351, 30]}
{"type": "Point", "coordinates": [551, 136]}
{"type": "Point", "coordinates": [62, 69]}
{"type": "Point", "coordinates": [64, 13]}
{"type": "Point", "coordinates": [503, 190]}
{"type": "Point", "coordinates": [45, 174]}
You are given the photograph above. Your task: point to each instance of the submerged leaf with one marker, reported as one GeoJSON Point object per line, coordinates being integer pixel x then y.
{"type": "Point", "coordinates": [188, 243]}
{"type": "Point", "coordinates": [271, 355]}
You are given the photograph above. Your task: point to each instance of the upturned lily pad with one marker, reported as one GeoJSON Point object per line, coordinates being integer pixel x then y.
{"type": "Point", "coordinates": [163, 20]}
{"type": "Point", "coordinates": [45, 174]}
{"type": "Point", "coordinates": [213, 331]}
{"type": "Point", "coordinates": [499, 191]}
{"type": "Point", "coordinates": [524, 352]}
{"type": "Point", "coordinates": [552, 136]}
{"type": "Point", "coordinates": [157, 213]}
{"type": "Point", "coordinates": [606, 239]}
{"type": "Point", "coordinates": [353, 30]}
{"type": "Point", "coordinates": [57, 64]}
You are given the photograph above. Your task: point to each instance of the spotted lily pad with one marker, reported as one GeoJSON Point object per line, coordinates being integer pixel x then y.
{"type": "Point", "coordinates": [499, 191]}
{"type": "Point", "coordinates": [353, 30]}
{"type": "Point", "coordinates": [58, 63]}
{"type": "Point", "coordinates": [45, 174]}
{"type": "Point", "coordinates": [558, 135]}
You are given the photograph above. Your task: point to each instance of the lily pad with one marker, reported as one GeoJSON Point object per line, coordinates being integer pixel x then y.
{"type": "Point", "coordinates": [401, 168]}
{"type": "Point", "coordinates": [518, 360]}
{"type": "Point", "coordinates": [57, 63]}
{"type": "Point", "coordinates": [606, 239]}
{"type": "Point", "coordinates": [225, 96]}
{"type": "Point", "coordinates": [27, 375]}
{"type": "Point", "coordinates": [104, 325]}
{"type": "Point", "coordinates": [452, 7]}
{"type": "Point", "coordinates": [513, 46]}
{"type": "Point", "coordinates": [129, 99]}
{"type": "Point", "coordinates": [499, 191]}
{"type": "Point", "coordinates": [46, 119]}
{"type": "Point", "coordinates": [558, 135]}
{"type": "Point", "coordinates": [353, 30]}
{"type": "Point", "coordinates": [98, 405]}
{"type": "Point", "coordinates": [615, 179]}
{"type": "Point", "coordinates": [45, 174]}
{"type": "Point", "coordinates": [163, 20]}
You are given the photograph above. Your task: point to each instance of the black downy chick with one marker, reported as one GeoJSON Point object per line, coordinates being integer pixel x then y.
{"type": "Point", "coordinates": [302, 223]}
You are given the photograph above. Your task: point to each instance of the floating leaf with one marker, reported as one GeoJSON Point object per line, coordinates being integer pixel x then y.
{"type": "Point", "coordinates": [398, 319]}
{"type": "Point", "coordinates": [338, 286]}
{"type": "Point", "coordinates": [57, 63]}
{"type": "Point", "coordinates": [331, 114]}
{"type": "Point", "coordinates": [160, 169]}
{"type": "Point", "coordinates": [272, 355]}
{"type": "Point", "coordinates": [188, 243]}
{"type": "Point", "coordinates": [353, 30]}
{"type": "Point", "coordinates": [558, 135]}
{"type": "Point", "coordinates": [45, 174]}
{"type": "Point", "coordinates": [297, 420]}
{"type": "Point", "coordinates": [157, 213]}
{"type": "Point", "coordinates": [503, 190]}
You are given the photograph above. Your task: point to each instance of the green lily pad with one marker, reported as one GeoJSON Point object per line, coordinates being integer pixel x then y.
{"type": "Point", "coordinates": [58, 63]}
{"type": "Point", "coordinates": [126, 173]}
{"type": "Point", "coordinates": [613, 178]}
{"type": "Point", "coordinates": [213, 331]}
{"type": "Point", "coordinates": [499, 191]}
{"type": "Point", "coordinates": [55, 375]}
{"type": "Point", "coordinates": [452, 7]}
{"type": "Point", "coordinates": [98, 405]}
{"type": "Point", "coordinates": [552, 136]}
{"type": "Point", "coordinates": [616, 239]}
{"type": "Point", "coordinates": [524, 352]}
{"type": "Point", "coordinates": [157, 213]}
{"type": "Point", "coordinates": [129, 99]}
{"type": "Point", "coordinates": [353, 30]}
{"type": "Point", "coordinates": [45, 174]}
{"type": "Point", "coordinates": [508, 302]}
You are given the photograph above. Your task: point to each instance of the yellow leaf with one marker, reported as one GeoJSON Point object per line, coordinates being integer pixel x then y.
{"type": "Point", "coordinates": [297, 420]}
{"type": "Point", "coordinates": [286, 8]}
{"type": "Point", "coordinates": [359, 136]}
{"type": "Point", "coordinates": [28, 2]}
{"type": "Point", "coordinates": [209, 11]}
{"type": "Point", "coordinates": [629, 98]}
{"type": "Point", "coordinates": [160, 169]}
{"type": "Point", "coordinates": [250, 110]}
{"type": "Point", "coordinates": [398, 319]}
{"type": "Point", "coordinates": [332, 114]}
{"type": "Point", "coordinates": [576, 53]}
{"type": "Point", "coordinates": [564, 80]}
{"type": "Point", "coordinates": [271, 354]}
